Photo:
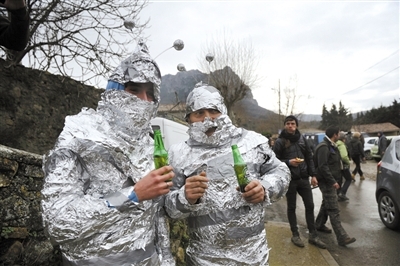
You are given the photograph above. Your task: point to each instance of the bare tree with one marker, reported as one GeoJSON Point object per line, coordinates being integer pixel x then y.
{"type": "Point", "coordinates": [291, 98]}
{"type": "Point", "coordinates": [233, 68]}
{"type": "Point", "coordinates": [80, 39]}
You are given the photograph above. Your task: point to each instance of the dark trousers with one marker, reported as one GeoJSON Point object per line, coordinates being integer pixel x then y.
{"type": "Point", "coordinates": [356, 159]}
{"type": "Point", "coordinates": [330, 208]}
{"type": "Point", "coordinates": [347, 181]}
{"type": "Point", "coordinates": [303, 187]}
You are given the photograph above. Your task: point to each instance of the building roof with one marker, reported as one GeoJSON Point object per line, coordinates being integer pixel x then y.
{"type": "Point", "coordinates": [375, 128]}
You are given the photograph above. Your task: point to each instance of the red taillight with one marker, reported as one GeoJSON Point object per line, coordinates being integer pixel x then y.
{"type": "Point", "coordinates": [378, 165]}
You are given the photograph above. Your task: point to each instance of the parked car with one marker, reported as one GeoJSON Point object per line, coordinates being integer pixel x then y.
{"type": "Point", "coordinates": [374, 149]}
{"type": "Point", "coordinates": [369, 143]}
{"type": "Point", "coordinates": [388, 185]}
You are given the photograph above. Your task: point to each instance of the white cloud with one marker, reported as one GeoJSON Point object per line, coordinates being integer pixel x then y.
{"type": "Point", "coordinates": [329, 46]}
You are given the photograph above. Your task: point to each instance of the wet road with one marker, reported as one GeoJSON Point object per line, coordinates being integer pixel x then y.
{"type": "Point", "coordinates": [375, 245]}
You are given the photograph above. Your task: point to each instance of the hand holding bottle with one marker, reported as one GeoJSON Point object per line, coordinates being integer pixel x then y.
{"type": "Point", "coordinates": [195, 187]}
{"type": "Point", "coordinates": [254, 192]}
{"type": "Point", "coordinates": [154, 184]}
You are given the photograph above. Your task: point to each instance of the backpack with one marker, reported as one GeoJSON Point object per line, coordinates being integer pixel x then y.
{"type": "Point", "coordinates": [315, 159]}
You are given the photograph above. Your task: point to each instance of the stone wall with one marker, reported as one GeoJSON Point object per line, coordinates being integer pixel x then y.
{"type": "Point", "coordinates": [22, 241]}
{"type": "Point", "coordinates": [34, 104]}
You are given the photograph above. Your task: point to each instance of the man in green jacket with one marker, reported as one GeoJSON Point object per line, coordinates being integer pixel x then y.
{"type": "Point", "coordinates": [346, 167]}
{"type": "Point", "coordinates": [328, 163]}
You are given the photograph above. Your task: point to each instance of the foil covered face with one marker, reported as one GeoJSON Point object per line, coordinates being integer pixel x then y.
{"type": "Point", "coordinates": [127, 113]}
{"type": "Point", "coordinates": [207, 116]}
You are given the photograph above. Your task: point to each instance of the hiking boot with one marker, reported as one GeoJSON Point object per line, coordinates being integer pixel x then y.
{"type": "Point", "coordinates": [362, 177]}
{"type": "Point", "coordinates": [347, 241]}
{"type": "Point", "coordinates": [297, 241]}
{"type": "Point", "coordinates": [316, 242]}
{"type": "Point", "coordinates": [353, 177]}
{"type": "Point", "coordinates": [324, 229]}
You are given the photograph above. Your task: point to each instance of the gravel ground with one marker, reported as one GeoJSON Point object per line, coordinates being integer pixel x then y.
{"type": "Point", "coordinates": [369, 169]}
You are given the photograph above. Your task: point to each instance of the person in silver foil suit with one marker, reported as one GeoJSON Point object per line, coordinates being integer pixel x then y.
{"type": "Point", "coordinates": [226, 227]}
{"type": "Point", "coordinates": [101, 198]}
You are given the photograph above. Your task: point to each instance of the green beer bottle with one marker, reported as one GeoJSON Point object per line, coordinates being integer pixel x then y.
{"type": "Point", "coordinates": [160, 153]}
{"type": "Point", "coordinates": [240, 168]}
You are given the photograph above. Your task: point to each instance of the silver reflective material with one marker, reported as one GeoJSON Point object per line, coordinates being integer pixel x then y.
{"type": "Point", "coordinates": [99, 154]}
{"type": "Point", "coordinates": [224, 229]}
{"type": "Point", "coordinates": [204, 96]}
{"type": "Point", "coordinates": [178, 45]}
{"type": "Point", "coordinates": [139, 68]}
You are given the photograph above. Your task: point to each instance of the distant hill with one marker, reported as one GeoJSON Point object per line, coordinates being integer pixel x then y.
{"type": "Point", "coordinates": [175, 88]}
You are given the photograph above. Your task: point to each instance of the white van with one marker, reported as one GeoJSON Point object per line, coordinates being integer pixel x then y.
{"type": "Point", "coordinates": [172, 132]}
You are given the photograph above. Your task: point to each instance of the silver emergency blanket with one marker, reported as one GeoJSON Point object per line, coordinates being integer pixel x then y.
{"type": "Point", "coordinates": [224, 229]}
{"type": "Point", "coordinates": [97, 159]}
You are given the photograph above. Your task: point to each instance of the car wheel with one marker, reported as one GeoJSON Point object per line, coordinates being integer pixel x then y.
{"type": "Point", "coordinates": [368, 155]}
{"type": "Point", "coordinates": [388, 211]}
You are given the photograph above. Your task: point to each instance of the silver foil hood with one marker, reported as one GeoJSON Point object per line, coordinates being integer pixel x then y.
{"type": "Point", "coordinates": [204, 96]}
{"type": "Point", "coordinates": [139, 68]}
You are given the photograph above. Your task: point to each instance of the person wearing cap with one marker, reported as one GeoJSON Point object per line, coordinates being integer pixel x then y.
{"type": "Point", "coordinates": [346, 168]}
{"type": "Point", "coordinates": [357, 154]}
{"type": "Point", "coordinates": [292, 148]}
{"type": "Point", "coordinates": [14, 33]}
{"type": "Point", "coordinates": [101, 196]}
{"type": "Point", "coordinates": [328, 163]}
{"type": "Point", "coordinates": [226, 227]}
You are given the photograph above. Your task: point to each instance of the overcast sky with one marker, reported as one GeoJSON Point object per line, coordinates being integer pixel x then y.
{"type": "Point", "coordinates": [340, 50]}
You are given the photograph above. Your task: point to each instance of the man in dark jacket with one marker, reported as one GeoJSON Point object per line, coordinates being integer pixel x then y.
{"type": "Point", "coordinates": [328, 163]}
{"type": "Point", "coordinates": [357, 155]}
{"type": "Point", "coordinates": [382, 143]}
{"type": "Point", "coordinates": [291, 148]}
{"type": "Point", "coordinates": [14, 33]}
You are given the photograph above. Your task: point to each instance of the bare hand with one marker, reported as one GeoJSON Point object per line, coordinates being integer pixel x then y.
{"type": "Point", "coordinates": [314, 181]}
{"type": "Point", "coordinates": [154, 184]}
{"type": "Point", "coordinates": [295, 162]}
{"type": "Point", "coordinates": [336, 186]}
{"type": "Point", "coordinates": [13, 4]}
{"type": "Point", "coordinates": [254, 192]}
{"type": "Point", "coordinates": [195, 187]}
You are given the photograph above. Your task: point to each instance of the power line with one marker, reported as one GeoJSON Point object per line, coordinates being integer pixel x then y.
{"type": "Point", "coordinates": [382, 60]}
{"type": "Point", "coordinates": [372, 80]}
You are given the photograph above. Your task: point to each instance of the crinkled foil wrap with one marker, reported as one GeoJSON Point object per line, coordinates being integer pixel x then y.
{"type": "Point", "coordinates": [224, 229]}
{"type": "Point", "coordinates": [204, 96]}
{"type": "Point", "coordinates": [100, 153]}
{"type": "Point", "coordinates": [139, 68]}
